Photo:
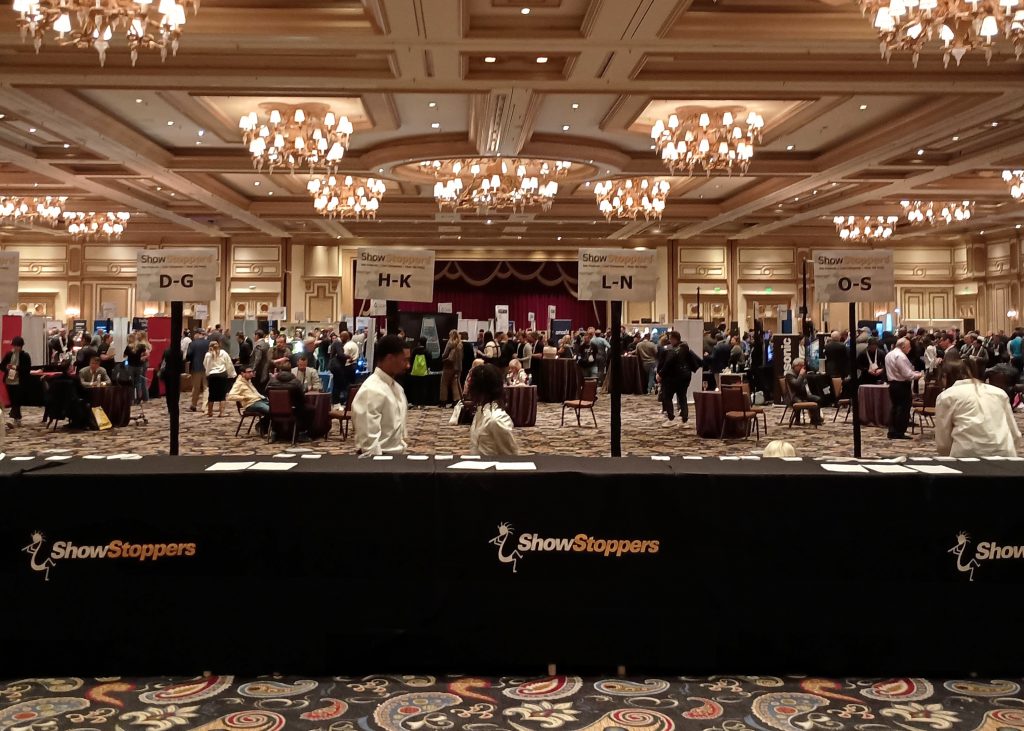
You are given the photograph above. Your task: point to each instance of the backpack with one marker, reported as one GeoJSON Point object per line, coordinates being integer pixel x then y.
{"type": "Point", "coordinates": [419, 365]}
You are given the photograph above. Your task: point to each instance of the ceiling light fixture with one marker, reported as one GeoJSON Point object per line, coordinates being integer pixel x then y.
{"type": "Point", "coordinates": [1015, 179]}
{"type": "Point", "coordinates": [575, 105]}
{"type": "Point", "coordinates": [542, 59]}
{"type": "Point", "coordinates": [92, 225]}
{"type": "Point", "coordinates": [697, 142]}
{"type": "Point", "coordinates": [146, 24]}
{"type": "Point", "coordinates": [46, 210]}
{"type": "Point", "coordinates": [865, 228]}
{"type": "Point", "coordinates": [956, 26]}
{"type": "Point", "coordinates": [790, 148]}
{"type": "Point", "coordinates": [863, 107]}
{"type": "Point", "coordinates": [347, 197]}
{"type": "Point", "coordinates": [525, 11]}
{"type": "Point", "coordinates": [929, 213]}
{"type": "Point", "coordinates": [295, 137]}
{"type": "Point", "coordinates": [435, 125]}
{"type": "Point", "coordinates": [432, 105]}
{"type": "Point", "coordinates": [632, 198]}
{"type": "Point", "coordinates": [565, 128]}
{"type": "Point", "coordinates": [485, 183]}
{"type": "Point", "coordinates": [489, 59]}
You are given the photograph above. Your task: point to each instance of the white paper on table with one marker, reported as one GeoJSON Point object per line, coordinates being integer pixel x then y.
{"type": "Point", "coordinates": [21, 459]}
{"type": "Point", "coordinates": [968, 459]}
{"type": "Point", "coordinates": [792, 459]}
{"type": "Point", "coordinates": [94, 456]}
{"type": "Point", "coordinates": [131, 456]}
{"type": "Point", "coordinates": [383, 458]}
{"type": "Point", "coordinates": [312, 456]}
{"type": "Point", "coordinates": [59, 458]}
{"type": "Point", "coordinates": [995, 458]}
{"type": "Point", "coordinates": [2, 455]}
{"type": "Point", "coordinates": [442, 457]}
{"type": "Point", "coordinates": [845, 468]}
{"type": "Point", "coordinates": [272, 466]}
{"type": "Point", "coordinates": [936, 469]}
{"type": "Point", "coordinates": [1015, 459]}
{"type": "Point", "coordinates": [920, 459]}
{"type": "Point", "coordinates": [945, 459]}
{"type": "Point", "coordinates": [729, 459]}
{"type": "Point", "coordinates": [471, 456]}
{"type": "Point", "coordinates": [515, 466]}
{"type": "Point", "coordinates": [660, 458]}
{"type": "Point", "coordinates": [693, 458]}
{"type": "Point", "coordinates": [298, 450]}
{"type": "Point", "coordinates": [229, 466]}
{"type": "Point", "coordinates": [471, 465]}
{"type": "Point", "coordinates": [418, 457]}
{"type": "Point", "coordinates": [890, 469]}
{"type": "Point", "coordinates": [285, 455]}
{"type": "Point", "coordinates": [750, 456]}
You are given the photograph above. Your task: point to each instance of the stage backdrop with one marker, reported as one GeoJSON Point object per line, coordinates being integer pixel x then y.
{"type": "Point", "coordinates": [475, 287]}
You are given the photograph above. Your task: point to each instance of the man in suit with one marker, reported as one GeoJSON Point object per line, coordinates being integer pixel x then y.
{"type": "Point", "coordinates": [308, 377]}
{"type": "Point", "coordinates": [194, 358]}
{"type": "Point", "coordinates": [95, 375]}
{"type": "Point", "coordinates": [797, 381]}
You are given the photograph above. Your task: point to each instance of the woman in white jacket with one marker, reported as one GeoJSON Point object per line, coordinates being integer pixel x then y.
{"type": "Point", "coordinates": [491, 434]}
{"type": "Point", "coordinates": [219, 374]}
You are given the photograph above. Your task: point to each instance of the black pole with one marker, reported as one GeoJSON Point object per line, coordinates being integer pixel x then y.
{"type": "Point", "coordinates": [803, 309]}
{"type": "Point", "coordinates": [616, 378]}
{"type": "Point", "coordinates": [173, 368]}
{"type": "Point", "coordinates": [392, 313]}
{"type": "Point", "coordinates": [700, 315]}
{"type": "Point", "coordinates": [854, 383]}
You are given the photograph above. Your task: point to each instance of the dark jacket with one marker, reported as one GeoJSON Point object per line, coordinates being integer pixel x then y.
{"type": "Point", "coordinates": [195, 354]}
{"type": "Point", "coordinates": [245, 352]}
{"type": "Point", "coordinates": [864, 362]}
{"type": "Point", "coordinates": [720, 356]}
{"type": "Point", "coordinates": [24, 366]}
{"type": "Point", "coordinates": [286, 381]}
{"type": "Point", "coordinates": [837, 359]}
{"type": "Point", "coordinates": [673, 367]}
{"type": "Point", "coordinates": [798, 387]}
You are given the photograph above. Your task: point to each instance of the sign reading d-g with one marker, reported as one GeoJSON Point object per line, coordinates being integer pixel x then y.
{"type": "Point", "coordinates": [626, 275]}
{"type": "Point", "coordinates": [170, 275]}
{"type": "Point", "coordinates": [404, 275]}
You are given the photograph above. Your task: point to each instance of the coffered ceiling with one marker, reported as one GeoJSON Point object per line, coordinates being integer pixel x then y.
{"type": "Point", "coordinates": [845, 132]}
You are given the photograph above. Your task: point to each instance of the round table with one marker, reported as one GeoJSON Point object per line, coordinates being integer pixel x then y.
{"type": "Point", "coordinates": [707, 406]}
{"type": "Point", "coordinates": [521, 404]}
{"type": "Point", "coordinates": [317, 415]}
{"type": "Point", "coordinates": [561, 379]}
{"type": "Point", "coordinates": [633, 381]}
{"type": "Point", "coordinates": [115, 400]}
{"type": "Point", "coordinates": [874, 405]}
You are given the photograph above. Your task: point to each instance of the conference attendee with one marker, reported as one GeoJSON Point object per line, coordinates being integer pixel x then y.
{"type": "Point", "coordinates": [134, 353]}
{"type": "Point", "coordinates": [281, 353]}
{"type": "Point", "coordinates": [566, 349]}
{"type": "Point", "coordinates": [796, 379]}
{"type": "Point", "coordinates": [975, 350]}
{"type": "Point", "coordinates": [524, 350]}
{"type": "Point", "coordinates": [245, 349]}
{"type": "Point", "coordinates": [194, 359]}
{"type": "Point", "coordinates": [900, 374]}
{"type": "Point", "coordinates": [379, 408]}
{"type": "Point", "coordinates": [337, 364]}
{"type": "Point", "coordinates": [492, 432]}
{"type": "Point", "coordinates": [1016, 349]}
{"type": "Point", "coordinates": [602, 349]}
{"type": "Point", "coordinates": [186, 340]}
{"type": "Point", "coordinates": [586, 356]}
{"type": "Point", "coordinates": [309, 377]}
{"type": "Point", "coordinates": [871, 364]}
{"type": "Point", "coordinates": [779, 448]}
{"type": "Point", "coordinates": [506, 350]}
{"type": "Point", "coordinates": [720, 354]}
{"type": "Point", "coordinates": [451, 370]}
{"type": "Point", "coordinates": [647, 352]}
{"type": "Point", "coordinates": [490, 351]}
{"type": "Point", "coordinates": [516, 375]}
{"type": "Point", "coordinates": [16, 366]}
{"type": "Point", "coordinates": [141, 383]}
{"type": "Point", "coordinates": [260, 360]}
{"type": "Point", "coordinates": [737, 359]}
{"type": "Point", "coordinates": [308, 350]}
{"type": "Point", "coordinates": [58, 345]}
{"type": "Point", "coordinates": [106, 352]}
{"type": "Point", "coordinates": [675, 371]}
{"type": "Point", "coordinates": [85, 355]}
{"type": "Point", "coordinates": [837, 357]}
{"type": "Point", "coordinates": [244, 392]}
{"type": "Point", "coordinates": [974, 419]}
{"type": "Point", "coordinates": [219, 370]}
{"type": "Point", "coordinates": [1004, 373]}
{"type": "Point", "coordinates": [94, 374]}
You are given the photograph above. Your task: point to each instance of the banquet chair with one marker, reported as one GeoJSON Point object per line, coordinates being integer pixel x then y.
{"type": "Point", "coordinates": [927, 408]}
{"type": "Point", "coordinates": [837, 389]}
{"type": "Point", "coordinates": [344, 415]}
{"type": "Point", "coordinates": [587, 399]}
{"type": "Point", "coordinates": [736, 407]}
{"type": "Point", "coordinates": [253, 417]}
{"type": "Point", "coordinates": [793, 407]}
{"type": "Point", "coordinates": [282, 414]}
{"type": "Point", "coordinates": [745, 388]}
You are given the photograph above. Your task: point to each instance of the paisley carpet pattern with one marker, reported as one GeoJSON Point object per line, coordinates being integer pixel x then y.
{"type": "Point", "coordinates": [429, 433]}
{"type": "Point", "coordinates": [450, 703]}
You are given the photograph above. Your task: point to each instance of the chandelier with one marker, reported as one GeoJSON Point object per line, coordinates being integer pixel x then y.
{"type": "Point", "coordinates": [959, 25]}
{"type": "Point", "coordinates": [632, 198]}
{"type": "Point", "coordinates": [346, 197]}
{"type": "Point", "coordinates": [92, 225]}
{"type": "Point", "coordinates": [92, 23]}
{"type": "Point", "coordinates": [46, 210]}
{"type": "Point", "coordinates": [297, 137]}
{"type": "Point", "coordinates": [918, 212]}
{"type": "Point", "coordinates": [697, 141]}
{"type": "Point", "coordinates": [495, 183]}
{"type": "Point", "coordinates": [1015, 179]}
{"type": "Point", "coordinates": [865, 228]}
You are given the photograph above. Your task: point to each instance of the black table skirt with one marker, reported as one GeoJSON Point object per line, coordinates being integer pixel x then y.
{"type": "Point", "coordinates": [343, 565]}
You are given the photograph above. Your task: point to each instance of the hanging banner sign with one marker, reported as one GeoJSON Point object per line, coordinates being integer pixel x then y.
{"type": "Point", "coordinates": [405, 275]}
{"type": "Point", "coordinates": [501, 318]}
{"type": "Point", "coordinates": [278, 314]}
{"type": "Point", "coordinates": [201, 312]}
{"type": "Point", "coordinates": [173, 275]}
{"type": "Point", "coordinates": [444, 307]}
{"type": "Point", "coordinates": [854, 275]}
{"type": "Point", "coordinates": [625, 275]}
{"type": "Point", "coordinates": [378, 308]}
{"type": "Point", "coordinates": [9, 262]}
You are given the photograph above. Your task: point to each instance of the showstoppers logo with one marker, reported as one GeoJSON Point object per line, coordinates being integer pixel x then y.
{"type": "Point", "coordinates": [511, 551]}
{"type": "Point", "coordinates": [986, 551]}
{"type": "Point", "coordinates": [39, 560]}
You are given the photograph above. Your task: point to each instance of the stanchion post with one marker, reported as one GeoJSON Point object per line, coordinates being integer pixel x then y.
{"type": "Point", "coordinates": [854, 383]}
{"type": "Point", "coordinates": [616, 378]}
{"type": "Point", "coordinates": [173, 368]}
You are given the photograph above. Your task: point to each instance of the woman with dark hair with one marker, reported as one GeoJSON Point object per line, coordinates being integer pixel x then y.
{"type": "Point", "coordinates": [15, 367]}
{"type": "Point", "coordinates": [491, 434]}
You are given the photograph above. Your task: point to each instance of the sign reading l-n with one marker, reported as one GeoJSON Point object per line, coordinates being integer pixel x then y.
{"type": "Point", "coordinates": [854, 275]}
{"type": "Point", "coordinates": [618, 274]}
{"type": "Point", "coordinates": [168, 275]}
{"type": "Point", "coordinates": [395, 274]}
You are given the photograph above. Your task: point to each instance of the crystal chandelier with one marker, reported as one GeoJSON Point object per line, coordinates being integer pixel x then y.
{"type": "Point", "coordinates": [92, 225]}
{"type": "Point", "coordinates": [346, 197]}
{"type": "Point", "coordinates": [1015, 179]}
{"type": "Point", "coordinates": [697, 141]}
{"type": "Point", "coordinates": [46, 210]}
{"type": "Point", "coordinates": [92, 23]}
{"type": "Point", "coordinates": [865, 228]}
{"type": "Point", "coordinates": [632, 198]}
{"type": "Point", "coordinates": [495, 183]}
{"type": "Point", "coordinates": [958, 25]}
{"type": "Point", "coordinates": [932, 214]}
{"type": "Point", "coordinates": [312, 136]}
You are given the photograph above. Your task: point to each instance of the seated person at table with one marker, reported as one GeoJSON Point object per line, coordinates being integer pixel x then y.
{"type": "Point", "coordinates": [973, 419]}
{"type": "Point", "coordinates": [308, 377]}
{"type": "Point", "coordinates": [798, 390]}
{"type": "Point", "coordinates": [285, 380]}
{"type": "Point", "coordinates": [566, 348]}
{"type": "Point", "coordinates": [94, 375]}
{"type": "Point", "coordinates": [491, 434]}
{"type": "Point", "coordinates": [871, 364]}
{"type": "Point", "coordinates": [779, 448]}
{"type": "Point", "coordinates": [244, 392]}
{"type": "Point", "coordinates": [516, 376]}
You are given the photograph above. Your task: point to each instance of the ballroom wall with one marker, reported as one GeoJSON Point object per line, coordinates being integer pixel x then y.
{"type": "Point", "coordinates": [935, 279]}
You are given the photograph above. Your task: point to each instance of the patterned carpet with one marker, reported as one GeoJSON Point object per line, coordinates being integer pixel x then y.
{"type": "Point", "coordinates": [429, 433]}
{"type": "Point", "coordinates": [424, 703]}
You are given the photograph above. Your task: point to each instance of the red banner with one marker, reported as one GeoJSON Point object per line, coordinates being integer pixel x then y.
{"type": "Point", "coordinates": [10, 329]}
{"type": "Point", "coordinates": [159, 332]}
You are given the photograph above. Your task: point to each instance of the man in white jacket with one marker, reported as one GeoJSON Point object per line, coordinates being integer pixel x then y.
{"type": "Point", "coordinates": [379, 408]}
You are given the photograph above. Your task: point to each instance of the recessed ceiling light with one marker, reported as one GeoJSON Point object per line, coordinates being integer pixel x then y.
{"type": "Point", "coordinates": [982, 233]}
{"type": "Point", "coordinates": [67, 146]}
{"type": "Point", "coordinates": [542, 59]}
{"type": "Point", "coordinates": [652, 147]}
{"type": "Point", "coordinates": [489, 222]}
{"type": "Point", "coordinates": [814, 192]}
{"type": "Point", "coordinates": [170, 122]}
{"type": "Point", "coordinates": [159, 188]}
{"type": "Point", "coordinates": [270, 192]}
{"type": "Point", "coordinates": [435, 125]}
{"type": "Point", "coordinates": [172, 193]}
{"type": "Point", "coordinates": [790, 148]}
{"type": "Point", "coordinates": [590, 162]}
{"type": "Point", "coordinates": [863, 107]}
{"type": "Point", "coordinates": [2, 116]}
{"type": "Point", "coordinates": [995, 124]}
{"type": "Point", "coordinates": [1018, 226]}
{"type": "Point", "coordinates": [920, 152]}
{"type": "Point", "coordinates": [432, 104]}
{"type": "Point", "coordinates": [956, 138]}
{"type": "Point", "coordinates": [380, 170]}
{"type": "Point", "coordinates": [199, 142]}
{"type": "Point", "coordinates": [257, 184]}
{"type": "Point", "coordinates": [834, 184]}
{"type": "Point", "coordinates": [138, 101]}
{"type": "Point", "coordinates": [565, 128]}
{"type": "Point", "coordinates": [588, 183]}
{"type": "Point", "coordinates": [560, 238]}
{"type": "Point", "coordinates": [796, 199]}
{"type": "Point", "coordinates": [32, 130]}
{"type": "Point", "coordinates": [575, 105]}
{"type": "Point", "coordinates": [201, 132]}
{"type": "Point", "coordinates": [525, 11]}
{"type": "Point", "coordinates": [489, 59]}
